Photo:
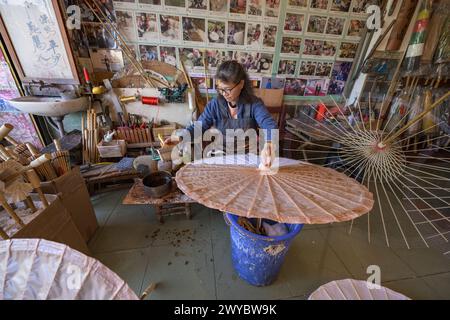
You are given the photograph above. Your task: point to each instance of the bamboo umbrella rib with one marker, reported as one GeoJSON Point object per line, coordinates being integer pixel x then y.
{"type": "Point", "coordinates": [340, 111]}
{"type": "Point", "coordinates": [341, 128]}
{"type": "Point", "coordinates": [322, 209]}
{"type": "Point", "coordinates": [215, 179]}
{"type": "Point", "coordinates": [324, 135]}
{"type": "Point", "coordinates": [354, 288]}
{"type": "Point", "coordinates": [423, 177]}
{"type": "Point", "coordinates": [414, 134]}
{"type": "Point", "coordinates": [426, 190]}
{"type": "Point", "coordinates": [424, 172]}
{"type": "Point", "coordinates": [277, 213]}
{"type": "Point", "coordinates": [428, 166]}
{"type": "Point", "coordinates": [307, 219]}
{"type": "Point", "coordinates": [415, 143]}
{"type": "Point", "coordinates": [412, 203]}
{"type": "Point", "coordinates": [340, 291]}
{"type": "Point", "coordinates": [418, 117]}
{"type": "Point", "coordinates": [395, 216]}
{"type": "Point", "coordinates": [311, 143]}
{"type": "Point", "coordinates": [351, 112]}
{"type": "Point", "coordinates": [237, 193]}
{"type": "Point", "coordinates": [250, 209]}
{"type": "Point", "coordinates": [382, 217]}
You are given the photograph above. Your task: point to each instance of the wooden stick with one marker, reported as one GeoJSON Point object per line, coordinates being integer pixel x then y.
{"type": "Point", "coordinates": [3, 234]}
{"type": "Point", "coordinates": [34, 152]}
{"type": "Point", "coordinates": [11, 140]}
{"type": "Point", "coordinates": [148, 290]}
{"type": "Point", "coordinates": [35, 182]}
{"type": "Point", "coordinates": [29, 203]}
{"type": "Point", "coordinates": [10, 210]}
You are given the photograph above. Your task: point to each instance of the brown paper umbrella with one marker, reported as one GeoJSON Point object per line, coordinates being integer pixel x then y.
{"type": "Point", "coordinates": [298, 193]}
{"type": "Point", "coordinates": [350, 289]}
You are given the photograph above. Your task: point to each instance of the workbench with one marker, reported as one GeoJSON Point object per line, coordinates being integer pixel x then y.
{"type": "Point", "coordinates": [175, 202]}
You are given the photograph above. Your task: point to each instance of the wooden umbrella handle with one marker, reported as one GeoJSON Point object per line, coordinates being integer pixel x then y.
{"type": "Point", "coordinates": [57, 143]}
{"type": "Point", "coordinates": [33, 178]}
{"type": "Point", "coordinates": [32, 150]}
{"type": "Point", "coordinates": [5, 130]}
{"type": "Point", "coordinates": [3, 234]}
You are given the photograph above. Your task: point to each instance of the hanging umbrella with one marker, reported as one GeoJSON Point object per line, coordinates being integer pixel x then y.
{"type": "Point", "coordinates": [350, 289]}
{"type": "Point", "coordinates": [297, 192]}
{"type": "Point", "coordinates": [36, 269]}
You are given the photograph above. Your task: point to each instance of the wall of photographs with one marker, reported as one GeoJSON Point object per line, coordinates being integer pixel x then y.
{"type": "Point", "coordinates": [304, 46]}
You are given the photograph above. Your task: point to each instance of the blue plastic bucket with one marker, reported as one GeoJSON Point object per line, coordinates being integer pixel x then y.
{"type": "Point", "coordinates": [258, 259]}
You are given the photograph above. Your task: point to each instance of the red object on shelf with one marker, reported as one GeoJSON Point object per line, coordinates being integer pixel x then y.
{"type": "Point", "coordinates": [150, 100]}
{"type": "Point", "coordinates": [86, 75]}
{"type": "Point", "coordinates": [321, 109]}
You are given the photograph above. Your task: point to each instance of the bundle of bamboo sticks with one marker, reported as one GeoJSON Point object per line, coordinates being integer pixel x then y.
{"type": "Point", "coordinates": [60, 159]}
{"type": "Point", "coordinates": [89, 128]}
{"type": "Point", "coordinates": [134, 135]}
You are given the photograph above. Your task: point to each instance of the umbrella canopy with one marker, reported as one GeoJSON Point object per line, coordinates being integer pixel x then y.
{"type": "Point", "coordinates": [36, 269]}
{"type": "Point", "coordinates": [350, 289]}
{"type": "Point", "coordinates": [296, 193]}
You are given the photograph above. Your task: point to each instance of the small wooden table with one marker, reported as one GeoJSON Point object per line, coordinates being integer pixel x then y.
{"type": "Point", "coordinates": [172, 203]}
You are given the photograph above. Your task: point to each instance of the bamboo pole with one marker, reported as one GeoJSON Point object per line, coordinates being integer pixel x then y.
{"type": "Point", "coordinates": [35, 182]}
{"type": "Point", "coordinates": [5, 130]}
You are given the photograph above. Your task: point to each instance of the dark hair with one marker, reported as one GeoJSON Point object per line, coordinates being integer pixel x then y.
{"type": "Point", "coordinates": [233, 72]}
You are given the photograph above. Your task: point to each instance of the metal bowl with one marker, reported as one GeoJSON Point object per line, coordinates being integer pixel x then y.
{"type": "Point", "coordinates": [157, 184]}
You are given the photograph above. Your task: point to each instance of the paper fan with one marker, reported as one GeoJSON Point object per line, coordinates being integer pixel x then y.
{"type": "Point", "coordinates": [36, 269]}
{"type": "Point", "coordinates": [300, 193]}
{"type": "Point", "coordinates": [18, 191]}
{"type": "Point", "coordinates": [350, 289]}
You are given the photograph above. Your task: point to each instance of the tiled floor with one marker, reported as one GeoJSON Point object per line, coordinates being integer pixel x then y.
{"type": "Point", "coordinates": [191, 259]}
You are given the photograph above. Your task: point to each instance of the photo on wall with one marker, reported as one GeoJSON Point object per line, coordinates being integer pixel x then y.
{"type": "Point", "coordinates": [335, 26]}
{"type": "Point", "coordinates": [106, 6]}
{"type": "Point", "coordinates": [236, 33]}
{"type": "Point", "coordinates": [294, 22]}
{"type": "Point", "coordinates": [329, 48]}
{"type": "Point", "coordinates": [348, 50]}
{"type": "Point", "coordinates": [287, 67]}
{"type": "Point", "coordinates": [255, 82]}
{"type": "Point", "coordinates": [152, 2]}
{"type": "Point", "coordinates": [238, 6]}
{"type": "Point", "coordinates": [254, 34]}
{"type": "Point", "coordinates": [290, 45]}
{"type": "Point", "coordinates": [341, 70]}
{"type": "Point", "coordinates": [297, 4]}
{"type": "Point", "coordinates": [125, 25]}
{"type": "Point", "coordinates": [170, 27]}
{"type": "Point", "coordinates": [319, 4]}
{"type": "Point", "coordinates": [307, 68]}
{"type": "Point", "coordinates": [316, 87]}
{"type": "Point", "coordinates": [356, 28]}
{"type": "Point", "coordinates": [313, 47]}
{"type": "Point", "coordinates": [336, 87]}
{"type": "Point", "coordinates": [197, 4]}
{"type": "Point", "coordinates": [215, 58]}
{"type": "Point", "coordinates": [272, 83]}
{"type": "Point", "coordinates": [255, 7]}
{"type": "Point", "coordinates": [295, 86]}
{"type": "Point", "coordinates": [255, 62]}
{"type": "Point", "coordinates": [323, 69]}
{"type": "Point", "coordinates": [193, 29]}
{"type": "Point", "coordinates": [218, 6]}
{"type": "Point", "coordinates": [316, 24]}
{"type": "Point", "coordinates": [106, 60]}
{"type": "Point", "coordinates": [203, 83]}
{"type": "Point", "coordinates": [272, 8]}
{"type": "Point", "coordinates": [168, 55]}
{"type": "Point", "coordinates": [175, 3]}
{"type": "Point", "coordinates": [360, 6]}
{"type": "Point", "coordinates": [340, 5]}
{"type": "Point", "coordinates": [95, 36]}
{"type": "Point", "coordinates": [192, 58]}
{"type": "Point", "coordinates": [148, 53]}
{"type": "Point", "coordinates": [147, 26]}
{"type": "Point", "coordinates": [270, 35]}
{"type": "Point", "coordinates": [216, 31]}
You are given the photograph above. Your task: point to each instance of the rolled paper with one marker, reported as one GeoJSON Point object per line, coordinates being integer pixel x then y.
{"type": "Point", "coordinates": [127, 99]}
{"type": "Point", "coordinates": [5, 130]}
{"type": "Point", "coordinates": [42, 159]}
{"type": "Point", "coordinates": [436, 25]}
{"type": "Point", "coordinates": [154, 101]}
{"type": "Point", "coordinates": [86, 75]}
{"type": "Point", "coordinates": [418, 37]}
{"type": "Point", "coordinates": [11, 140]}
{"type": "Point", "coordinates": [401, 25]}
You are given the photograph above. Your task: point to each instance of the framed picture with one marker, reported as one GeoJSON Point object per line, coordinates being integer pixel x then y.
{"type": "Point", "coordinates": [34, 34]}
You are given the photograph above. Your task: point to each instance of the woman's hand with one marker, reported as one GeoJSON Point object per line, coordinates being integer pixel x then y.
{"type": "Point", "coordinates": [267, 155]}
{"type": "Point", "coordinates": [171, 142]}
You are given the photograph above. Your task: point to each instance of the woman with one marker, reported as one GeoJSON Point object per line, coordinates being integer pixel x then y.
{"type": "Point", "coordinates": [236, 107]}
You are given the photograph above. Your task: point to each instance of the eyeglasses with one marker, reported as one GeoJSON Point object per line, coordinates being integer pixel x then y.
{"type": "Point", "coordinates": [227, 90]}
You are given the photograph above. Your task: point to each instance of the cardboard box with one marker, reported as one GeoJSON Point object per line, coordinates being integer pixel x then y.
{"type": "Point", "coordinates": [270, 97]}
{"type": "Point", "coordinates": [75, 197]}
{"type": "Point", "coordinates": [53, 223]}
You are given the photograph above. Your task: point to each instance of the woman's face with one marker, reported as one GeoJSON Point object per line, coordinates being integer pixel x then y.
{"type": "Point", "coordinates": [230, 91]}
